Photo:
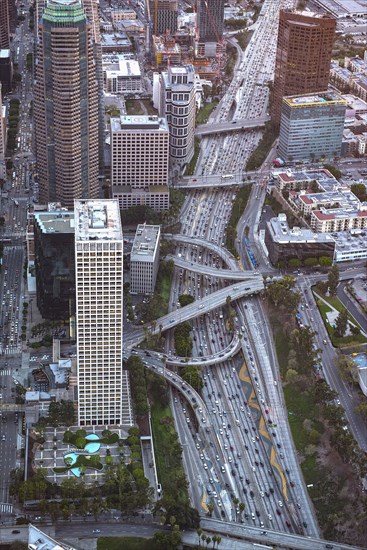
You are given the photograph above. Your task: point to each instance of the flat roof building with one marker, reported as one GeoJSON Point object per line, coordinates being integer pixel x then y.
{"type": "Point", "coordinates": [55, 264]}
{"type": "Point", "coordinates": [121, 74]}
{"type": "Point", "coordinates": [284, 243]}
{"type": "Point", "coordinates": [303, 55]}
{"type": "Point", "coordinates": [311, 126]}
{"type": "Point", "coordinates": [144, 259]}
{"type": "Point", "coordinates": [103, 390]}
{"type": "Point", "coordinates": [140, 161]}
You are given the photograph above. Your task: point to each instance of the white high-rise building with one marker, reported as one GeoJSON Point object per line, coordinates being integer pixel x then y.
{"type": "Point", "coordinates": [177, 104]}
{"type": "Point", "coordinates": [102, 384]}
{"type": "Point", "coordinates": [144, 259]}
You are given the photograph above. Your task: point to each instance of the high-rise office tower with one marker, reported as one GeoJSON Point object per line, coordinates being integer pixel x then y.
{"type": "Point", "coordinates": [4, 24]}
{"type": "Point", "coordinates": [54, 263]}
{"type": "Point", "coordinates": [210, 22]}
{"type": "Point", "coordinates": [66, 104]}
{"type": "Point", "coordinates": [164, 15]}
{"type": "Point", "coordinates": [303, 55]}
{"type": "Point", "coordinates": [177, 105]}
{"type": "Point", "coordinates": [140, 161]}
{"type": "Point", "coordinates": [312, 126]}
{"type": "Point", "coordinates": [99, 312]}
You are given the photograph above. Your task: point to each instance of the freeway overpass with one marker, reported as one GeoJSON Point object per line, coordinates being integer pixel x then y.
{"type": "Point", "coordinates": [272, 539]}
{"type": "Point", "coordinates": [213, 271]}
{"type": "Point", "coordinates": [232, 126]}
{"type": "Point", "coordinates": [213, 301]}
{"type": "Point", "coordinates": [223, 253]}
{"type": "Point", "coordinates": [199, 307]}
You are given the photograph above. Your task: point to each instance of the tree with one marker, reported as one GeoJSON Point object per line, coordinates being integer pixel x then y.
{"type": "Point", "coordinates": [362, 409]}
{"type": "Point", "coordinates": [186, 299]}
{"type": "Point", "coordinates": [294, 262]}
{"type": "Point", "coordinates": [325, 261]}
{"type": "Point", "coordinates": [347, 368]}
{"type": "Point", "coordinates": [333, 171]}
{"type": "Point", "coordinates": [311, 262]}
{"type": "Point", "coordinates": [341, 324]}
{"type": "Point", "coordinates": [359, 190]}
{"type": "Point", "coordinates": [333, 279]}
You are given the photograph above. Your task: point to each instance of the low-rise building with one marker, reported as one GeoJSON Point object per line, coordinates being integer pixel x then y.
{"type": "Point", "coordinates": [120, 14]}
{"type": "Point", "coordinates": [284, 243]}
{"type": "Point", "coordinates": [144, 259]}
{"type": "Point", "coordinates": [115, 42]}
{"type": "Point", "coordinates": [121, 74]}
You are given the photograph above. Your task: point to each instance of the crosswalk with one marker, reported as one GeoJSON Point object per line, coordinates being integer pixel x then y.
{"type": "Point", "coordinates": [6, 372]}
{"type": "Point", "coordinates": [10, 351]}
{"type": "Point", "coordinates": [6, 508]}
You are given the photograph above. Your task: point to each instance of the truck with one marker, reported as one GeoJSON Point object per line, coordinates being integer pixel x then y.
{"type": "Point", "coordinates": [278, 162]}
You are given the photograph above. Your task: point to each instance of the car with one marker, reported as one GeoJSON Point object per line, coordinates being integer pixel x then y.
{"type": "Point", "coordinates": [96, 530]}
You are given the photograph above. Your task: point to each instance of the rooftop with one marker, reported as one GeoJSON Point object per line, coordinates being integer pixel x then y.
{"type": "Point", "coordinates": [145, 242]}
{"type": "Point", "coordinates": [97, 220]}
{"type": "Point", "coordinates": [120, 64]}
{"type": "Point", "coordinates": [282, 233]}
{"type": "Point", "coordinates": [38, 540]}
{"type": "Point", "coordinates": [138, 122]}
{"type": "Point", "coordinates": [321, 98]}
{"type": "Point", "coordinates": [341, 8]}
{"type": "Point", "coordinates": [55, 222]}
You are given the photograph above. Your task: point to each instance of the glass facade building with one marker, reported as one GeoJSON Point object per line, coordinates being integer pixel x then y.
{"type": "Point", "coordinates": [55, 264]}
{"type": "Point", "coordinates": [311, 126]}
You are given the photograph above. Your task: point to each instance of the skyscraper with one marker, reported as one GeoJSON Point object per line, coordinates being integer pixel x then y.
{"type": "Point", "coordinates": [210, 21]}
{"type": "Point", "coordinates": [177, 105]}
{"type": "Point", "coordinates": [164, 15]}
{"type": "Point", "coordinates": [66, 104]}
{"type": "Point", "coordinates": [102, 386]}
{"type": "Point", "coordinates": [4, 24]}
{"type": "Point", "coordinates": [303, 55]}
{"type": "Point", "coordinates": [54, 263]}
{"type": "Point", "coordinates": [140, 161]}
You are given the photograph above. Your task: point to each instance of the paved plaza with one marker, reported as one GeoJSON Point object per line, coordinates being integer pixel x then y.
{"type": "Point", "coordinates": [51, 453]}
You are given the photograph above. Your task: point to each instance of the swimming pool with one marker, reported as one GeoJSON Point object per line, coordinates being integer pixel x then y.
{"type": "Point", "coordinates": [89, 448]}
{"type": "Point", "coordinates": [92, 447]}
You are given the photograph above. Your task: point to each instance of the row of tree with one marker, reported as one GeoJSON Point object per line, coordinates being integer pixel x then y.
{"type": "Point", "coordinates": [183, 340]}
{"type": "Point", "coordinates": [138, 385]}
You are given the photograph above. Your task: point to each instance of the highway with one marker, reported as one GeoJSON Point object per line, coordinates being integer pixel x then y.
{"type": "Point", "coordinates": [233, 126]}
{"type": "Point", "coordinates": [248, 461]}
{"type": "Point", "coordinates": [213, 272]}
{"type": "Point", "coordinates": [198, 242]}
